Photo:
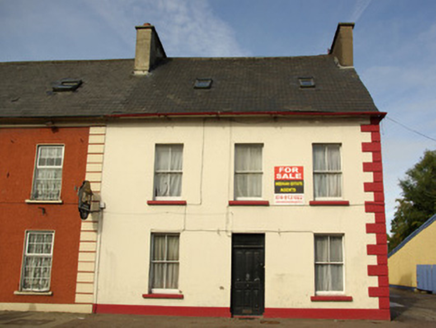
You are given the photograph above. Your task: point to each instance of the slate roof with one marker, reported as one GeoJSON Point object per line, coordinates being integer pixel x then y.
{"type": "Point", "coordinates": [240, 85]}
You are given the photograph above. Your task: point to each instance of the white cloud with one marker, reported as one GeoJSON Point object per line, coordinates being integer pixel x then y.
{"type": "Point", "coordinates": [186, 28]}
{"type": "Point", "coordinates": [117, 17]}
{"type": "Point", "coordinates": [397, 79]}
{"type": "Point", "coordinates": [407, 93]}
{"type": "Point", "coordinates": [358, 10]}
{"type": "Point", "coordinates": [427, 40]}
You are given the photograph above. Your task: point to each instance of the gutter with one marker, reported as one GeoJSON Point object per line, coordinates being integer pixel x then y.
{"type": "Point", "coordinates": [380, 115]}
{"type": "Point", "coordinates": [50, 121]}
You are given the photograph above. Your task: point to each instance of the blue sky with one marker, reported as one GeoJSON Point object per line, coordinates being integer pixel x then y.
{"type": "Point", "coordinates": [394, 47]}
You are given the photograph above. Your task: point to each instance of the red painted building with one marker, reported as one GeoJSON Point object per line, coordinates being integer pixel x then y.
{"type": "Point", "coordinates": [41, 169]}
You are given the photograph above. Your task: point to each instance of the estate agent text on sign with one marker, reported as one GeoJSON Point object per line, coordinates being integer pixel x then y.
{"type": "Point", "coordinates": [289, 185]}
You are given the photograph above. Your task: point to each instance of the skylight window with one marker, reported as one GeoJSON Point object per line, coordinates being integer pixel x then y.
{"type": "Point", "coordinates": [203, 84]}
{"type": "Point", "coordinates": [66, 85]}
{"type": "Point", "coordinates": [306, 82]}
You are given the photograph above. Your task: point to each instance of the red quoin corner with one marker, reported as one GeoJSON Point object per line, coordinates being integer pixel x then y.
{"type": "Point", "coordinates": [377, 207]}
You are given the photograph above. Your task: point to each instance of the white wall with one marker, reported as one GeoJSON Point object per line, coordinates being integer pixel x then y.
{"type": "Point", "coordinates": [207, 222]}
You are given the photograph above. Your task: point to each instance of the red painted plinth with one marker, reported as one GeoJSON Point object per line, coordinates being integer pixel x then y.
{"type": "Point", "coordinates": [341, 314]}
{"type": "Point", "coordinates": [183, 311]}
{"type": "Point", "coordinates": [356, 314]}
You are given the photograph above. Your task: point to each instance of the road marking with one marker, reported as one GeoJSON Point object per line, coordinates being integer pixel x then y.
{"type": "Point", "coordinates": [392, 304]}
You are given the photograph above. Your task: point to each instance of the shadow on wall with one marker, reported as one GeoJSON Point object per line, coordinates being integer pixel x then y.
{"type": "Point", "coordinates": [406, 280]}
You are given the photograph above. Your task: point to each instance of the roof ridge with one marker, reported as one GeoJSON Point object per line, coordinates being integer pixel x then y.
{"type": "Point", "coordinates": [248, 57]}
{"type": "Point", "coordinates": [73, 61]}
{"type": "Point", "coordinates": [64, 61]}
{"type": "Point", "coordinates": [424, 226]}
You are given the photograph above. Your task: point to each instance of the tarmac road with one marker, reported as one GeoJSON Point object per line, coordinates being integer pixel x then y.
{"type": "Point", "coordinates": [408, 309]}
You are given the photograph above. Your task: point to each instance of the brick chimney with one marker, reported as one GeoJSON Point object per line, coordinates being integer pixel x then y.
{"type": "Point", "coordinates": [149, 49]}
{"type": "Point", "coordinates": [342, 46]}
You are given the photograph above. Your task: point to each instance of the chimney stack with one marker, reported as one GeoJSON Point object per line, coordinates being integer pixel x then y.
{"type": "Point", "coordinates": [342, 46]}
{"type": "Point", "coordinates": [149, 49]}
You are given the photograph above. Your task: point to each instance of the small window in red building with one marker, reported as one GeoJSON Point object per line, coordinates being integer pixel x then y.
{"type": "Point", "coordinates": [47, 178]}
{"type": "Point", "coordinates": [37, 260]}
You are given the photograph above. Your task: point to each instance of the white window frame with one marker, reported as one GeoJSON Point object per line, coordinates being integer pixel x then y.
{"type": "Point", "coordinates": [165, 261]}
{"type": "Point", "coordinates": [169, 172]}
{"type": "Point", "coordinates": [39, 167]}
{"type": "Point", "coordinates": [27, 255]}
{"type": "Point", "coordinates": [335, 172]}
{"type": "Point", "coordinates": [252, 172]}
{"type": "Point", "coordinates": [342, 263]}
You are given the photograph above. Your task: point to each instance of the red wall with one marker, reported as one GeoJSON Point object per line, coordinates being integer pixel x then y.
{"type": "Point", "coordinates": [17, 161]}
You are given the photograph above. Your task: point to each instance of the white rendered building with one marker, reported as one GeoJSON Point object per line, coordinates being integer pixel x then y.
{"type": "Point", "coordinates": [243, 187]}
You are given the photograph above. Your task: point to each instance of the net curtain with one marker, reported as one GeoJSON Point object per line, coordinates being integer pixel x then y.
{"type": "Point", "coordinates": [169, 165]}
{"type": "Point", "coordinates": [165, 261]}
{"type": "Point", "coordinates": [329, 263]}
{"type": "Point", "coordinates": [327, 169]}
{"type": "Point", "coordinates": [248, 169]}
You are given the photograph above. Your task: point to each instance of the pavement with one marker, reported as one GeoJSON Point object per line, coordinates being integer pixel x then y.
{"type": "Point", "coordinates": [408, 309]}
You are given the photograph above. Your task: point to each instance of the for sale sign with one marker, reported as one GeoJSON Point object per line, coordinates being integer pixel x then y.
{"type": "Point", "coordinates": [289, 185]}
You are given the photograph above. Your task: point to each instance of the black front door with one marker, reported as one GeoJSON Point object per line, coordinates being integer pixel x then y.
{"type": "Point", "coordinates": [248, 274]}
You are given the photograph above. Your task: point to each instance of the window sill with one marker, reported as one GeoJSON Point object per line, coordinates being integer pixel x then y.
{"type": "Point", "coordinates": [164, 296]}
{"type": "Point", "coordinates": [329, 203]}
{"type": "Point", "coordinates": [42, 201]}
{"type": "Point", "coordinates": [166, 202]}
{"type": "Point", "coordinates": [248, 203]}
{"type": "Point", "coordinates": [33, 293]}
{"type": "Point", "coordinates": [331, 298]}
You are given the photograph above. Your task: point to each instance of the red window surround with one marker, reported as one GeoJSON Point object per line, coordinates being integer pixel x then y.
{"type": "Point", "coordinates": [329, 203]}
{"type": "Point", "coordinates": [166, 202]}
{"type": "Point", "coordinates": [248, 203]}
{"type": "Point", "coordinates": [167, 296]}
{"type": "Point", "coordinates": [331, 298]}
